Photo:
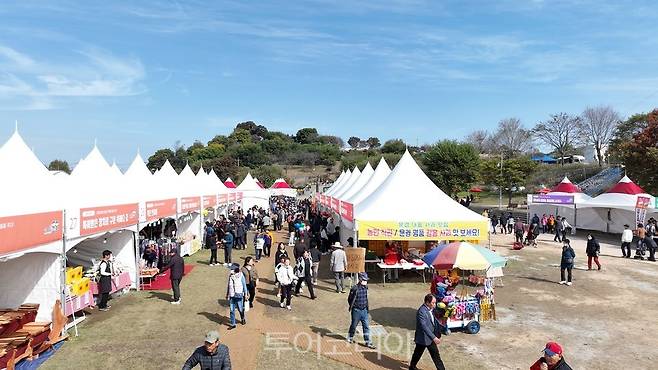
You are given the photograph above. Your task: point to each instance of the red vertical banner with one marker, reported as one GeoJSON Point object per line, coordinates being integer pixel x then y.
{"type": "Point", "coordinates": [335, 204]}
{"type": "Point", "coordinates": [347, 211]}
{"type": "Point", "coordinates": [25, 231]}
{"type": "Point", "coordinates": [190, 204]}
{"type": "Point", "coordinates": [102, 219]}
{"type": "Point", "coordinates": [160, 208]}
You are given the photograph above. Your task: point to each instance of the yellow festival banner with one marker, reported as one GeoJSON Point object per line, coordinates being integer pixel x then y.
{"type": "Point", "coordinates": [423, 230]}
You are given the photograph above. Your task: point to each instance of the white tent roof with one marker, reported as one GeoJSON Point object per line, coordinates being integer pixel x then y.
{"type": "Point", "coordinates": [137, 168]}
{"type": "Point", "coordinates": [359, 183]}
{"type": "Point", "coordinates": [16, 159]}
{"type": "Point", "coordinates": [407, 181]}
{"type": "Point", "coordinates": [93, 183]}
{"type": "Point", "coordinates": [356, 174]}
{"type": "Point", "coordinates": [339, 183]}
{"type": "Point", "coordinates": [380, 174]}
{"type": "Point", "coordinates": [190, 185]}
{"type": "Point", "coordinates": [141, 178]}
{"type": "Point", "coordinates": [217, 183]}
{"type": "Point", "coordinates": [167, 180]}
{"type": "Point", "coordinates": [249, 183]}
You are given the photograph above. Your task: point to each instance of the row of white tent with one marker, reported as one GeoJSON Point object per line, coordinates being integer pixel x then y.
{"type": "Point", "coordinates": [625, 203]}
{"type": "Point", "coordinates": [48, 217]}
{"type": "Point", "coordinates": [402, 204]}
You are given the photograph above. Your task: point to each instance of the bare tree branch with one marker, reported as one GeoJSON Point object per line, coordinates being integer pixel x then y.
{"type": "Point", "coordinates": [560, 132]}
{"type": "Point", "coordinates": [511, 136]}
{"type": "Point", "coordinates": [597, 126]}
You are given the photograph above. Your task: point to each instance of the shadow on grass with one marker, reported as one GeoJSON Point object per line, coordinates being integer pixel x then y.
{"type": "Point", "coordinates": [538, 279]}
{"type": "Point", "coordinates": [215, 317]}
{"type": "Point", "coordinates": [326, 333]}
{"type": "Point", "coordinates": [161, 296]}
{"type": "Point", "coordinates": [380, 359]}
{"type": "Point", "coordinates": [395, 317]}
{"type": "Point", "coordinates": [267, 302]}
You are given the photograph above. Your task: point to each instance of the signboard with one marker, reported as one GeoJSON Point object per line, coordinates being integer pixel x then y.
{"type": "Point", "coordinates": [642, 202]}
{"type": "Point", "coordinates": [223, 199]}
{"type": "Point", "coordinates": [356, 260]}
{"type": "Point", "coordinates": [190, 204]}
{"type": "Point", "coordinates": [231, 197]}
{"type": "Point", "coordinates": [347, 211]}
{"type": "Point", "coordinates": [102, 219]}
{"type": "Point", "coordinates": [423, 230]}
{"type": "Point", "coordinates": [160, 208]}
{"type": "Point", "coordinates": [552, 199]}
{"type": "Point", "coordinates": [335, 204]}
{"type": "Point", "coordinates": [209, 201]}
{"type": "Point", "coordinates": [25, 231]}
{"type": "Point", "coordinates": [238, 196]}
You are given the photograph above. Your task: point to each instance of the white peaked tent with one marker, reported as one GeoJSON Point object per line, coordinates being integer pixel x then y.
{"type": "Point", "coordinates": [373, 181]}
{"type": "Point", "coordinates": [565, 187]}
{"type": "Point", "coordinates": [281, 187]}
{"type": "Point", "coordinates": [367, 173]}
{"type": "Point", "coordinates": [347, 184]}
{"type": "Point", "coordinates": [93, 183]}
{"type": "Point", "coordinates": [167, 180]}
{"type": "Point", "coordinates": [141, 181]}
{"type": "Point", "coordinates": [29, 274]}
{"type": "Point", "coordinates": [609, 211]}
{"type": "Point", "coordinates": [409, 206]}
{"type": "Point", "coordinates": [339, 184]}
{"type": "Point", "coordinates": [336, 182]}
{"type": "Point", "coordinates": [253, 194]}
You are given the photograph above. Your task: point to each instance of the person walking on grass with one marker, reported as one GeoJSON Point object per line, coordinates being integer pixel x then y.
{"type": "Point", "coordinates": [286, 277]}
{"type": "Point", "coordinates": [316, 255]}
{"type": "Point", "coordinates": [259, 244]}
{"type": "Point", "coordinates": [211, 243]}
{"type": "Point", "coordinates": [177, 268]}
{"type": "Point", "coordinates": [626, 240]}
{"type": "Point", "coordinates": [228, 247]}
{"type": "Point", "coordinates": [304, 273]}
{"type": "Point", "coordinates": [338, 264]}
{"type": "Point", "coordinates": [428, 334]}
{"type": "Point", "coordinates": [593, 250]}
{"type": "Point", "coordinates": [251, 276]}
{"type": "Point", "coordinates": [358, 308]}
{"type": "Point", "coordinates": [559, 230]}
{"type": "Point", "coordinates": [267, 247]}
{"type": "Point", "coordinates": [568, 256]}
{"type": "Point", "coordinates": [211, 356]}
{"type": "Point", "coordinates": [280, 253]}
{"type": "Point", "coordinates": [236, 292]}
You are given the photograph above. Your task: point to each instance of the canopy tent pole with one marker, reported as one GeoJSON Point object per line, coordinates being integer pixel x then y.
{"type": "Point", "coordinates": [137, 258]}
{"type": "Point", "coordinates": [62, 284]}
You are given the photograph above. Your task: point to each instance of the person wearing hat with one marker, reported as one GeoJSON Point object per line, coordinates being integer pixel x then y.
{"type": "Point", "coordinates": [177, 267]}
{"type": "Point", "coordinates": [626, 239]}
{"type": "Point", "coordinates": [338, 264]}
{"type": "Point", "coordinates": [552, 359]}
{"type": "Point", "coordinates": [211, 355]}
{"type": "Point", "coordinates": [358, 307]}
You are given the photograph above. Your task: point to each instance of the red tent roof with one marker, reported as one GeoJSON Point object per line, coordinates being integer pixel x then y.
{"type": "Point", "coordinates": [230, 184]}
{"type": "Point", "coordinates": [626, 186]}
{"type": "Point", "coordinates": [566, 186]}
{"type": "Point", "coordinates": [280, 184]}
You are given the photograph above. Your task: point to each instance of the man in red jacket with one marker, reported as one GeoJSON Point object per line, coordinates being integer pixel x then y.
{"type": "Point", "coordinates": [552, 359]}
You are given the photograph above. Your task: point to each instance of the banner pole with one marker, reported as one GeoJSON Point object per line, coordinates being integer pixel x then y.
{"type": "Point", "coordinates": [62, 284]}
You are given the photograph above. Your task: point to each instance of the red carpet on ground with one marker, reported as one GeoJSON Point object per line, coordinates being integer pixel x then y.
{"type": "Point", "coordinates": [163, 282]}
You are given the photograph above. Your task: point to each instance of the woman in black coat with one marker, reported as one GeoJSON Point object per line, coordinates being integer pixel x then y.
{"type": "Point", "coordinates": [568, 256]}
{"type": "Point", "coordinates": [593, 250]}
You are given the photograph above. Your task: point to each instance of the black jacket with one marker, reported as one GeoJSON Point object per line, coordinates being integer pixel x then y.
{"type": "Point", "coordinates": [316, 255]}
{"type": "Point", "coordinates": [568, 256]}
{"type": "Point", "coordinates": [593, 248]}
{"type": "Point", "coordinates": [220, 360]}
{"type": "Point", "coordinates": [177, 267]}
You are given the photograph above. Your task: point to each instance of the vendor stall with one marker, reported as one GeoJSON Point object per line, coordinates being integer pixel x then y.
{"type": "Point", "coordinates": [456, 306]}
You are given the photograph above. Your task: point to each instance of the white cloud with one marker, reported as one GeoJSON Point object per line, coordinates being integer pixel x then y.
{"type": "Point", "coordinates": [29, 83]}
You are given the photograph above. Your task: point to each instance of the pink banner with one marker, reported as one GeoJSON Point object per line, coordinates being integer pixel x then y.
{"type": "Point", "coordinates": [209, 201]}
{"type": "Point", "coordinates": [347, 211]}
{"type": "Point", "coordinates": [24, 231]}
{"type": "Point", "coordinates": [190, 204]}
{"type": "Point", "coordinates": [223, 198]}
{"type": "Point", "coordinates": [102, 219]}
{"type": "Point", "coordinates": [335, 204]}
{"type": "Point", "coordinates": [160, 208]}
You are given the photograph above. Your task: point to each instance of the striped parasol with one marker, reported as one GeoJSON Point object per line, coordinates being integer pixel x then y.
{"type": "Point", "coordinates": [463, 255]}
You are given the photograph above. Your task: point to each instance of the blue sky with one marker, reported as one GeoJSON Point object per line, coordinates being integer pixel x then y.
{"type": "Point", "coordinates": [146, 74]}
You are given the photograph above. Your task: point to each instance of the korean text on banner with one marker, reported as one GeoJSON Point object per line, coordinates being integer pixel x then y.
{"type": "Point", "coordinates": [347, 211]}
{"type": "Point", "coordinates": [102, 219]}
{"type": "Point", "coordinates": [223, 199]}
{"type": "Point", "coordinates": [190, 204]}
{"type": "Point", "coordinates": [642, 202]}
{"type": "Point", "coordinates": [209, 201]}
{"type": "Point", "coordinates": [356, 260]}
{"type": "Point", "coordinates": [238, 196]}
{"type": "Point", "coordinates": [552, 199]}
{"type": "Point", "coordinates": [423, 230]}
{"type": "Point", "coordinates": [160, 209]}
{"type": "Point", "coordinates": [231, 197]}
{"type": "Point", "coordinates": [335, 204]}
{"type": "Point", "coordinates": [25, 231]}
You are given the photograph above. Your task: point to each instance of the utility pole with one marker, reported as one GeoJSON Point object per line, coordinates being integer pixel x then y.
{"type": "Point", "coordinates": [500, 186]}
